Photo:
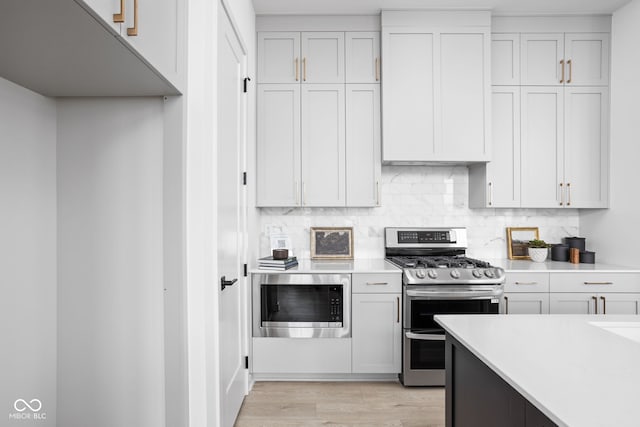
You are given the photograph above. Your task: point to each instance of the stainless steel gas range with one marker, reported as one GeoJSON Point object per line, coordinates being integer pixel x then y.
{"type": "Point", "coordinates": [437, 278]}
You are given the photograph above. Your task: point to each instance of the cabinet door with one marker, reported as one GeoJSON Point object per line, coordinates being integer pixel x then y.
{"type": "Point", "coordinates": [377, 333]}
{"type": "Point", "coordinates": [363, 164]}
{"type": "Point", "coordinates": [586, 147]}
{"type": "Point", "coordinates": [323, 57]}
{"type": "Point", "coordinates": [152, 30]}
{"type": "Point", "coordinates": [278, 57]}
{"type": "Point", "coordinates": [362, 57]}
{"type": "Point", "coordinates": [106, 10]}
{"type": "Point", "coordinates": [323, 145]}
{"type": "Point", "coordinates": [503, 172]}
{"type": "Point", "coordinates": [619, 303]}
{"type": "Point", "coordinates": [572, 303]}
{"type": "Point", "coordinates": [505, 59]}
{"type": "Point", "coordinates": [463, 90]}
{"type": "Point", "coordinates": [408, 125]}
{"type": "Point", "coordinates": [542, 147]}
{"type": "Point", "coordinates": [278, 151]}
{"type": "Point", "coordinates": [587, 56]}
{"type": "Point", "coordinates": [540, 56]}
{"type": "Point", "coordinates": [525, 303]}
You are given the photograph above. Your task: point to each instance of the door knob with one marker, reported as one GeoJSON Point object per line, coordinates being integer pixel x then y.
{"type": "Point", "coordinates": [224, 282]}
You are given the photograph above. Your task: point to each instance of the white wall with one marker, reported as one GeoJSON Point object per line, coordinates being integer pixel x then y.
{"type": "Point", "coordinates": [418, 196]}
{"type": "Point", "coordinates": [110, 270]}
{"type": "Point", "coordinates": [614, 233]}
{"type": "Point", "coordinates": [27, 252]}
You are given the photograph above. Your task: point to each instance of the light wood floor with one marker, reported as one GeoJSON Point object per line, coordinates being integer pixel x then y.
{"type": "Point", "coordinates": [280, 404]}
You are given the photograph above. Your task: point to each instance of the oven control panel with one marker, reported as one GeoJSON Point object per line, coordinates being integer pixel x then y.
{"type": "Point", "coordinates": [415, 236]}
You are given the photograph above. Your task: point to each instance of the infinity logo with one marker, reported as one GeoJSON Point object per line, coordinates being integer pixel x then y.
{"type": "Point", "coordinates": [21, 405]}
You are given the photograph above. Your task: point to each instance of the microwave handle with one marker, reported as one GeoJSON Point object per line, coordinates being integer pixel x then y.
{"type": "Point", "coordinates": [424, 337]}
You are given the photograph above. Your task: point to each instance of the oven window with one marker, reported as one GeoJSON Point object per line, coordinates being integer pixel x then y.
{"type": "Point", "coordinates": [422, 311]}
{"type": "Point", "coordinates": [301, 303]}
{"type": "Point", "coordinates": [427, 354]}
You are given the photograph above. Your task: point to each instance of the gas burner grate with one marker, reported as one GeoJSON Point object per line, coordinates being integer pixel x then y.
{"type": "Point", "coordinates": [438, 262]}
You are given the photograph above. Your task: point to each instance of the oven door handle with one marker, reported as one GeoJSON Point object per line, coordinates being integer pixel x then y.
{"type": "Point", "coordinates": [424, 337]}
{"type": "Point", "coordinates": [454, 295]}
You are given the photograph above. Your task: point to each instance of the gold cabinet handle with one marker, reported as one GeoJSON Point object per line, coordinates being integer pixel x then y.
{"type": "Point", "coordinates": [595, 303]}
{"type": "Point", "coordinates": [297, 74]}
{"type": "Point", "coordinates": [304, 69]}
{"type": "Point", "coordinates": [133, 31]}
{"type": "Point", "coordinates": [525, 283]}
{"type": "Point", "coordinates": [491, 194]}
{"type": "Point", "coordinates": [377, 283]}
{"type": "Point", "coordinates": [506, 305]}
{"type": "Point", "coordinates": [398, 309]}
{"type": "Point", "coordinates": [562, 69]}
{"type": "Point", "coordinates": [604, 305]}
{"type": "Point", "coordinates": [570, 71]}
{"type": "Point", "coordinates": [119, 17]}
{"type": "Point", "coordinates": [598, 283]}
{"type": "Point", "coordinates": [377, 69]}
{"type": "Point", "coordinates": [378, 193]}
{"type": "Point", "coordinates": [568, 189]}
{"type": "Point", "coordinates": [561, 195]}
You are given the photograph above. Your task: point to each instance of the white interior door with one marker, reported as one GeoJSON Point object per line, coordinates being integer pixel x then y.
{"type": "Point", "coordinates": [231, 59]}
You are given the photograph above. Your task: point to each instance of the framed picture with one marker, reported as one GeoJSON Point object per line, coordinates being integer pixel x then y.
{"type": "Point", "coordinates": [518, 241]}
{"type": "Point", "coordinates": [331, 242]}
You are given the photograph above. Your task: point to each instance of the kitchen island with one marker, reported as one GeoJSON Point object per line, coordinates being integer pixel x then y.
{"type": "Point", "coordinates": [530, 370]}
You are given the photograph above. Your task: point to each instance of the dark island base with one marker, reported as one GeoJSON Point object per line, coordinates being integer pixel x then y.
{"type": "Point", "coordinates": [477, 397]}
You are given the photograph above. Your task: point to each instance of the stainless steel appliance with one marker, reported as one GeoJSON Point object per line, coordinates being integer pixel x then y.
{"type": "Point", "coordinates": [302, 305]}
{"type": "Point", "coordinates": [437, 279]}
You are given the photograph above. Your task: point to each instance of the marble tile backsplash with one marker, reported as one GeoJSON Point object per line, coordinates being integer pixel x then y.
{"type": "Point", "coordinates": [426, 196]}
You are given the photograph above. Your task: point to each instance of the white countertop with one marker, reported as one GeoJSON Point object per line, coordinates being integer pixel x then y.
{"type": "Point", "coordinates": [577, 374]}
{"type": "Point", "coordinates": [377, 265]}
{"type": "Point", "coordinates": [524, 266]}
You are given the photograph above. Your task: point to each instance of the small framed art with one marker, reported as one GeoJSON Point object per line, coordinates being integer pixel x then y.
{"type": "Point", "coordinates": [518, 241]}
{"type": "Point", "coordinates": [331, 243]}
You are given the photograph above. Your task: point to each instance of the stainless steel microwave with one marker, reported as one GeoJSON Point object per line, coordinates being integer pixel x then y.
{"type": "Point", "coordinates": [302, 305]}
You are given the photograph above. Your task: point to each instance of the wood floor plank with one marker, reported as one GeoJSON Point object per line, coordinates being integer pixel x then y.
{"type": "Point", "coordinates": [341, 404]}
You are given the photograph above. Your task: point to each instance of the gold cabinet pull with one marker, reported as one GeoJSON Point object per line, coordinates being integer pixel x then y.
{"type": "Point", "coordinates": [297, 74]}
{"type": "Point", "coordinates": [562, 70]}
{"type": "Point", "coordinates": [604, 305]}
{"type": "Point", "coordinates": [119, 17]}
{"type": "Point", "coordinates": [570, 71]}
{"type": "Point", "coordinates": [506, 305]}
{"type": "Point", "coordinates": [398, 309]}
{"type": "Point", "coordinates": [133, 31]}
{"type": "Point", "coordinates": [491, 194]}
{"type": "Point", "coordinates": [377, 69]}
{"type": "Point", "coordinates": [378, 193]}
{"type": "Point", "coordinates": [304, 69]}
{"type": "Point", "coordinates": [598, 283]}
{"type": "Point", "coordinates": [595, 303]}
{"type": "Point", "coordinates": [561, 195]}
{"type": "Point", "coordinates": [525, 283]}
{"type": "Point", "coordinates": [568, 189]}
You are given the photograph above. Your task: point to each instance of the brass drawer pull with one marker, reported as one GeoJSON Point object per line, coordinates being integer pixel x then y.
{"type": "Point", "coordinates": [297, 73]}
{"type": "Point", "coordinates": [133, 31]}
{"type": "Point", "coordinates": [570, 71]}
{"type": "Point", "coordinates": [595, 303]}
{"type": "Point", "coordinates": [526, 283]}
{"type": "Point", "coordinates": [562, 67]}
{"type": "Point", "coordinates": [598, 283]}
{"type": "Point", "coordinates": [119, 17]}
{"type": "Point", "coordinates": [377, 283]}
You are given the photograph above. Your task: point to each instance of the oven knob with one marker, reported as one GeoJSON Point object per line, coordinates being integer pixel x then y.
{"type": "Point", "coordinates": [421, 274]}
{"type": "Point", "coordinates": [477, 274]}
{"type": "Point", "coordinates": [455, 274]}
{"type": "Point", "coordinates": [433, 274]}
{"type": "Point", "coordinates": [489, 273]}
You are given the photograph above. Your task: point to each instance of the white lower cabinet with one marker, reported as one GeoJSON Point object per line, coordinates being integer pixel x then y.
{"type": "Point", "coordinates": [592, 303]}
{"type": "Point", "coordinates": [525, 303]}
{"type": "Point", "coordinates": [301, 355]}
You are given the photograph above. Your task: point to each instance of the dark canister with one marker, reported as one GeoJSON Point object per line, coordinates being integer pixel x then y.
{"type": "Point", "coordinates": [576, 242]}
{"type": "Point", "coordinates": [560, 252]}
{"type": "Point", "coordinates": [587, 257]}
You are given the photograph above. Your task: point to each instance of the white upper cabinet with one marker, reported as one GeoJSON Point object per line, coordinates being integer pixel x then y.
{"type": "Point", "coordinates": [586, 154]}
{"type": "Point", "coordinates": [362, 53]}
{"type": "Point", "coordinates": [278, 57]}
{"type": "Point", "coordinates": [363, 145]}
{"type": "Point", "coordinates": [436, 90]}
{"type": "Point", "coordinates": [323, 145]}
{"type": "Point", "coordinates": [577, 59]}
{"type": "Point", "coordinates": [278, 145]}
{"type": "Point", "coordinates": [323, 57]}
{"type": "Point", "coordinates": [505, 59]}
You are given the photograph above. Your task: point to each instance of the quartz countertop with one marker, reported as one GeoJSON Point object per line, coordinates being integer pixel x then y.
{"type": "Point", "coordinates": [374, 265]}
{"type": "Point", "coordinates": [524, 266]}
{"type": "Point", "coordinates": [577, 373]}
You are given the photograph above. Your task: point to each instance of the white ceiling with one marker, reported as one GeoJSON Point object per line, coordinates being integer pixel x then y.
{"type": "Point", "coordinates": [500, 7]}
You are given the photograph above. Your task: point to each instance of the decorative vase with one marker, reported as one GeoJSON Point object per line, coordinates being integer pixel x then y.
{"type": "Point", "coordinates": [538, 254]}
